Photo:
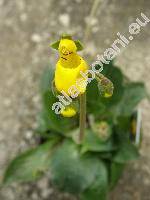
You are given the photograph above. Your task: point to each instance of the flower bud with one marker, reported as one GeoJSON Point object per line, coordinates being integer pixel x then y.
{"type": "Point", "coordinates": [102, 130]}
{"type": "Point", "coordinates": [68, 112]}
{"type": "Point", "coordinates": [105, 86]}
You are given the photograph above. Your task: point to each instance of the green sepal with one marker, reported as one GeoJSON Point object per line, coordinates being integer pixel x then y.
{"type": "Point", "coordinates": [79, 45]}
{"type": "Point", "coordinates": [55, 45]}
{"type": "Point", "coordinates": [66, 36]}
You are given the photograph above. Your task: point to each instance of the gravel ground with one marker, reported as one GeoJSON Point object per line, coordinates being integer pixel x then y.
{"type": "Point", "coordinates": [26, 29]}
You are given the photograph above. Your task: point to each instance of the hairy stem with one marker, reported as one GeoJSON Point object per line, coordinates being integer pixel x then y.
{"type": "Point", "coordinates": [82, 116]}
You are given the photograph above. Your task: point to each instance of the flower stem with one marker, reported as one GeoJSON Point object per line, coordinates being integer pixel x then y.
{"type": "Point", "coordinates": [82, 116]}
{"type": "Point", "coordinates": [92, 13]}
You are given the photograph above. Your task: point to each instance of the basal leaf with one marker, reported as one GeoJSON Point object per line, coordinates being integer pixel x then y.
{"type": "Point", "coordinates": [94, 144]}
{"type": "Point", "coordinates": [99, 188]}
{"type": "Point", "coordinates": [116, 170]}
{"type": "Point", "coordinates": [73, 172]}
{"type": "Point", "coordinates": [30, 165]}
{"type": "Point", "coordinates": [126, 152]}
{"type": "Point", "coordinates": [133, 94]}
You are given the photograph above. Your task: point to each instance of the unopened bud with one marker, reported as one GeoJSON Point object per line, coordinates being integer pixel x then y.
{"type": "Point", "coordinates": [102, 130]}
{"type": "Point", "coordinates": [105, 86]}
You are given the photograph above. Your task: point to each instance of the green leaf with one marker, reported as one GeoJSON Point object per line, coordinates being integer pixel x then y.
{"type": "Point", "coordinates": [98, 192]}
{"type": "Point", "coordinates": [99, 188]}
{"type": "Point", "coordinates": [123, 124]}
{"type": "Point", "coordinates": [55, 45]}
{"type": "Point", "coordinates": [133, 94]}
{"type": "Point", "coordinates": [53, 121]}
{"type": "Point", "coordinates": [30, 165]}
{"type": "Point", "coordinates": [116, 170]}
{"type": "Point", "coordinates": [73, 172]}
{"type": "Point", "coordinates": [46, 79]}
{"type": "Point", "coordinates": [126, 152]}
{"type": "Point", "coordinates": [94, 103]}
{"type": "Point", "coordinates": [79, 45]}
{"type": "Point", "coordinates": [124, 100]}
{"type": "Point", "coordinates": [100, 106]}
{"type": "Point", "coordinates": [95, 144]}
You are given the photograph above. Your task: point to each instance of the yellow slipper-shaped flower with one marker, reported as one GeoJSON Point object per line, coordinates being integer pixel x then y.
{"type": "Point", "coordinates": [68, 68]}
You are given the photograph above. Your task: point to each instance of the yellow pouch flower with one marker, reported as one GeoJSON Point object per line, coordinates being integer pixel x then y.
{"type": "Point", "coordinates": [68, 67]}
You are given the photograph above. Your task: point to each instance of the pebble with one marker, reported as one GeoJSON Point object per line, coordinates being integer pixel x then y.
{"type": "Point", "coordinates": [1, 2]}
{"type": "Point", "coordinates": [36, 38]}
{"type": "Point", "coordinates": [29, 134]}
{"type": "Point", "coordinates": [64, 19]}
{"type": "Point", "coordinates": [23, 17]}
{"type": "Point", "coordinates": [34, 196]}
{"type": "Point", "coordinates": [78, 1]}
